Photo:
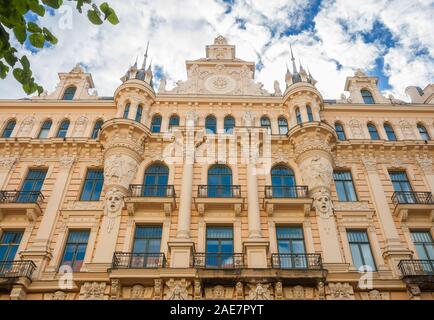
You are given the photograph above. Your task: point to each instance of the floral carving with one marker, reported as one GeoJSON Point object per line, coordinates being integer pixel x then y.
{"type": "Point", "coordinates": [260, 292]}
{"type": "Point", "coordinates": [80, 127]}
{"type": "Point", "coordinates": [177, 290]}
{"type": "Point", "coordinates": [407, 130]}
{"type": "Point", "coordinates": [340, 291]}
{"type": "Point", "coordinates": [356, 129]}
{"type": "Point", "coordinates": [7, 162]}
{"type": "Point", "coordinates": [27, 126]}
{"type": "Point", "coordinates": [93, 291]}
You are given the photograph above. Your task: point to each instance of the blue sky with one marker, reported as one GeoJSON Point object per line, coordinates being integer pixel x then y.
{"type": "Point", "coordinates": [391, 39]}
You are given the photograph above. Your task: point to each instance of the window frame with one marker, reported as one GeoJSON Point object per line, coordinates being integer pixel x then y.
{"type": "Point", "coordinates": [345, 183]}
{"type": "Point", "coordinates": [298, 115]}
{"type": "Point", "coordinates": [171, 119]}
{"type": "Point", "coordinates": [266, 123]}
{"type": "Point", "coordinates": [228, 127]}
{"type": "Point", "coordinates": [373, 132]}
{"type": "Point", "coordinates": [423, 132]}
{"type": "Point", "coordinates": [360, 251]}
{"type": "Point", "coordinates": [282, 125]}
{"type": "Point", "coordinates": [210, 124]}
{"type": "Point", "coordinates": [367, 98]}
{"type": "Point", "coordinates": [68, 94]}
{"type": "Point", "coordinates": [94, 184]}
{"type": "Point", "coordinates": [96, 129]}
{"type": "Point", "coordinates": [139, 113]}
{"type": "Point", "coordinates": [309, 113]}
{"type": "Point", "coordinates": [74, 260]}
{"type": "Point", "coordinates": [340, 133]}
{"type": "Point", "coordinates": [154, 125]}
{"type": "Point", "coordinates": [390, 132]}
{"type": "Point", "coordinates": [11, 245]}
{"type": "Point", "coordinates": [44, 131]}
{"type": "Point", "coordinates": [62, 131]}
{"type": "Point", "coordinates": [7, 131]}
{"type": "Point", "coordinates": [126, 113]}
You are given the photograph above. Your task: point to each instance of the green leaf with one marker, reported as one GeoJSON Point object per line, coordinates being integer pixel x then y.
{"type": "Point", "coordinates": [109, 13]}
{"type": "Point", "coordinates": [55, 4]}
{"type": "Point", "coordinates": [33, 27]}
{"type": "Point", "coordinates": [49, 36]}
{"type": "Point", "coordinates": [4, 69]}
{"type": "Point", "coordinates": [93, 17]}
{"type": "Point", "coordinates": [37, 8]}
{"type": "Point", "coordinates": [18, 74]}
{"type": "Point", "coordinates": [37, 40]}
{"type": "Point", "coordinates": [21, 6]}
{"type": "Point", "coordinates": [9, 56]}
{"type": "Point", "coordinates": [25, 63]}
{"type": "Point", "coordinates": [20, 33]}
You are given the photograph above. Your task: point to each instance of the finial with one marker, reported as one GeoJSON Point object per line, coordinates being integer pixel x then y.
{"type": "Point", "coordinates": [294, 67]}
{"type": "Point", "coordinates": [146, 56]}
{"type": "Point", "coordinates": [135, 64]}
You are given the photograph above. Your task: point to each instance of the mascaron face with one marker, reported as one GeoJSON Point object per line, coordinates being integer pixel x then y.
{"type": "Point", "coordinates": [113, 202]}
{"type": "Point", "coordinates": [323, 203]}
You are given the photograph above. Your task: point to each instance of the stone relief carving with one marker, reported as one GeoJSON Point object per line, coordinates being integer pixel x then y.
{"type": "Point", "coordinates": [298, 292]}
{"type": "Point", "coordinates": [137, 292]}
{"type": "Point", "coordinates": [27, 126]}
{"type": "Point", "coordinates": [370, 164]}
{"type": "Point", "coordinates": [93, 291]}
{"type": "Point", "coordinates": [59, 295]}
{"type": "Point", "coordinates": [18, 293]}
{"type": "Point", "coordinates": [239, 291]}
{"type": "Point", "coordinates": [80, 127]}
{"type": "Point", "coordinates": [311, 143]}
{"type": "Point", "coordinates": [260, 292]}
{"type": "Point", "coordinates": [426, 165]}
{"type": "Point", "coordinates": [191, 118]}
{"type": "Point", "coordinates": [317, 171]}
{"type": "Point", "coordinates": [322, 203]}
{"type": "Point", "coordinates": [407, 130]}
{"type": "Point", "coordinates": [351, 206]}
{"type": "Point", "coordinates": [375, 295]}
{"type": "Point", "coordinates": [162, 86]}
{"type": "Point", "coordinates": [115, 289]}
{"type": "Point", "coordinates": [113, 204]}
{"type": "Point", "coordinates": [119, 170]}
{"type": "Point", "coordinates": [197, 290]}
{"type": "Point", "coordinates": [248, 119]}
{"type": "Point", "coordinates": [85, 205]}
{"type": "Point", "coordinates": [7, 162]}
{"type": "Point", "coordinates": [277, 91]}
{"type": "Point", "coordinates": [278, 291]}
{"type": "Point", "coordinates": [414, 292]}
{"type": "Point", "coordinates": [321, 291]}
{"type": "Point", "coordinates": [66, 162]}
{"type": "Point", "coordinates": [177, 290]}
{"type": "Point", "coordinates": [158, 289]}
{"type": "Point", "coordinates": [218, 292]}
{"type": "Point", "coordinates": [340, 291]}
{"type": "Point", "coordinates": [356, 129]}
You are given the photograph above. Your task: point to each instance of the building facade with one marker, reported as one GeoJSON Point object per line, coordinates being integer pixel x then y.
{"type": "Point", "coordinates": [217, 189]}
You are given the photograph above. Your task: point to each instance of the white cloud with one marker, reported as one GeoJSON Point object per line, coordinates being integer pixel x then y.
{"type": "Point", "coordinates": [332, 45]}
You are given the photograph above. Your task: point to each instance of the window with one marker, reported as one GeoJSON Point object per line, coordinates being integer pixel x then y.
{"type": "Point", "coordinates": [389, 132]}
{"type": "Point", "coordinates": [423, 132]}
{"type": "Point", "coordinates": [96, 129]}
{"type": "Point", "coordinates": [229, 124]}
{"type": "Point", "coordinates": [139, 113]}
{"type": "Point", "coordinates": [309, 113]}
{"type": "Point", "coordinates": [7, 132]}
{"type": "Point", "coordinates": [373, 132]}
{"type": "Point", "coordinates": [283, 181]}
{"type": "Point", "coordinates": [32, 185]}
{"type": "Point", "coordinates": [367, 96]}
{"type": "Point", "coordinates": [63, 129]}
{"type": "Point", "coordinates": [340, 132]}
{"type": "Point", "coordinates": [290, 244]}
{"type": "Point", "coordinates": [126, 110]}
{"type": "Point", "coordinates": [265, 123]}
{"type": "Point", "coordinates": [211, 125]}
{"type": "Point", "coordinates": [75, 249]}
{"type": "Point", "coordinates": [156, 178]}
{"type": "Point", "coordinates": [402, 187]}
{"type": "Point", "coordinates": [298, 115]}
{"type": "Point", "coordinates": [360, 249]}
{"type": "Point", "coordinates": [344, 186]}
{"type": "Point", "coordinates": [424, 245]}
{"type": "Point", "coordinates": [146, 247]}
{"type": "Point", "coordinates": [283, 125]}
{"type": "Point", "coordinates": [45, 129]}
{"type": "Point", "coordinates": [156, 124]}
{"type": "Point", "coordinates": [9, 242]}
{"type": "Point", "coordinates": [219, 181]}
{"type": "Point", "coordinates": [69, 93]}
{"type": "Point", "coordinates": [219, 246]}
{"type": "Point", "coordinates": [92, 185]}
{"type": "Point", "coordinates": [173, 122]}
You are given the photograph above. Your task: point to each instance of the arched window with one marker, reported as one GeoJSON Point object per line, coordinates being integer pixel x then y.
{"type": "Point", "coordinates": [96, 129]}
{"type": "Point", "coordinates": [63, 129]}
{"type": "Point", "coordinates": [69, 93]}
{"type": "Point", "coordinates": [309, 113]}
{"type": "Point", "coordinates": [367, 96]}
{"type": "Point", "coordinates": [126, 111]}
{"type": "Point", "coordinates": [229, 124]}
{"type": "Point", "coordinates": [219, 181]}
{"type": "Point", "coordinates": [266, 123]}
{"type": "Point", "coordinates": [156, 123]}
{"type": "Point", "coordinates": [211, 125]}
{"type": "Point", "coordinates": [298, 115]}
{"type": "Point", "coordinates": [389, 132]}
{"type": "Point", "coordinates": [173, 121]}
{"type": "Point", "coordinates": [283, 125]}
{"type": "Point", "coordinates": [139, 113]}
{"type": "Point", "coordinates": [7, 132]}
{"type": "Point", "coordinates": [423, 132]}
{"type": "Point", "coordinates": [373, 132]}
{"type": "Point", "coordinates": [155, 181]}
{"type": "Point", "coordinates": [283, 182]}
{"type": "Point", "coordinates": [45, 129]}
{"type": "Point", "coordinates": [340, 131]}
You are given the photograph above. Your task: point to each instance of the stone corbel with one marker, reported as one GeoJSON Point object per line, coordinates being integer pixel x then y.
{"type": "Point", "coordinates": [269, 207]}
{"type": "Point", "coordinates": [168, 209]}
{"type": "Point", "coordinates": [201, 208]}
{"type": "Point", "coordinates": [403, 215]}
{"type": "Point", "coordinates": [131, 209]}
{"type": "Point", "coordinates": [31, 214]}
{"type": "Point", "coordinates": [307, 209]}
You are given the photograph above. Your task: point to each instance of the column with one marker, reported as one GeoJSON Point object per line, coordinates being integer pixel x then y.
{"type": "Point", "coordinates": [184, 215]}
{"type": "Point", "coordinates": [254, 218]}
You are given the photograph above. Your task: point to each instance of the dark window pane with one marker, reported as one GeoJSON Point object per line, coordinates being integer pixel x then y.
{"type": "Point", "coordinates": [75, 249]}
{"type": "Point", "coordinates": [211, 125]}
{"type": "Point", "coordinates": [7, 132]}
{"type": "Point", "coordinates": [126, 111]}
{"type": "Point", "coordinates": [69, 93]}
{"type": "Point", "coordinates": [96, 129]}
{"type": "Point", "coordinates": [156, 124]}
{"type": "Point", "coordinates": [373, 132]}
{"type": "Point", "coordinates": [92, 185]}
{"type": "Point", "coordinates": [367, 97]}
{"type": "Point", "coordinates": [360, 249]}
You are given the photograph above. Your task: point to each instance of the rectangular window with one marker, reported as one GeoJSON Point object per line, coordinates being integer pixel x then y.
{"type": "Point", "coordinates": [344, 186]}
{"type": "Point", "coordinates": [219, 246]}
{"type": "Point", "coordinates": [360, 249]}
{"type": "Point", "coordinates": [146, 247]}
{"type": "Point", "coordinates": [290, 244]}
{"type": "Point", "coordinates": [9, 242]}
{"type": "Point", "coordinates": [32, 185]}
{"type": "Point", "coordinates": [75, 249]}
{"type": "Point", "coordinates": [402, 187]}
{"type": "Point", "coordinates": [424, 244]}
{"type": "Point", "coordinates": [92, 185]}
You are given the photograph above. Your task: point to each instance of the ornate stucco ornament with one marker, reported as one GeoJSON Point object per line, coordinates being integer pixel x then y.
{"type": "Point", "coordinates": [317, 171]}
{"type": "Point", "coordinates": [322, 203]}
{"type": "Point", "coordinates": [113, 204]}
{"type": "Point", "coordinates": [177, 290]}
{"type": "Point", "coordinates": [260, 292]}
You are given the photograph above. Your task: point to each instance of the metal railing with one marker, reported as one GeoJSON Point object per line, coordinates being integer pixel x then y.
{"type": "Point", "coordinates": [139, 190]}
{"type": "Point", "coordinates": [286, 192]}
{"type": "Point", "coordinates": [21, 197]}
{"type": "Point", "coordinates": [129, 260]}
{"type": "Point", "coordinates": [16, 269]}
{"type": "Point", "coordinates": [219, 191]}
{"type": "Point", "coordinates": [416, 267]}
{"type": "Point", "coordinates": [411, 197]}
{"type": "Point", "coordinates": [218, 260]}
{"type": "Point", "coordinates": [296, 261]}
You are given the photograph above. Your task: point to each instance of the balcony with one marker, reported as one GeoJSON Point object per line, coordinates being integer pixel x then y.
{"type": "Point", "coordinates": [21, 202]}
{"type": "Point", "coordinates": [218, 261]}
{"type": "Point", "coordinates": [128, 260]}
{"type": "Point", "coordinates": [219, 197]}
{"type": "Point", "coordinates": [419, 272]}
{"type": "Point", "coordinates": [287, 198]}
{"type": "Point", "coordinates": [12, 271]}
{"type": "Point", "coordinates": [413, 205]}
{"type": "Point", "coordinates": [161, 197]}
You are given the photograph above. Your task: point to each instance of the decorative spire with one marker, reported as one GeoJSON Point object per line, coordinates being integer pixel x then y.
{"type": "Point", "coordinates": [294, 67]}
{"type": "Point", "coordinates": [146, 56]}
{"type": "Point", "coordinates": [135, 64]}
{"type": "Point", "coordinates": [301, 66]}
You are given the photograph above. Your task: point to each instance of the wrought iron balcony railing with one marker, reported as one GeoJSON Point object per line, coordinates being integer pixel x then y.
{"type": "Point", "coordinates": [162, 191]}
{"type": "Point", "coordinates": [129, 260]}
{"type": "Point", "coordinates": [411, 197]}
{"type": "Point", "coordinates": [219, 191]}
{"type": "Point", "coordinates": [286, 192]}
{"type": "Point", "coordinates": [218, 260]}
{"type": "Point", "coordinates": [416, 267]}
{"type": "Point", "coordinates": [16, 269]}
{"type": "Point", "coordinates": [296, 261]}
{"type": "Point", "coordinates": [21, 197]}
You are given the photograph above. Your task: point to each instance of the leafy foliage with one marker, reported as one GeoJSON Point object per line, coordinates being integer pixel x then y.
{"type": "Point", "coordinates": [13, 21]}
